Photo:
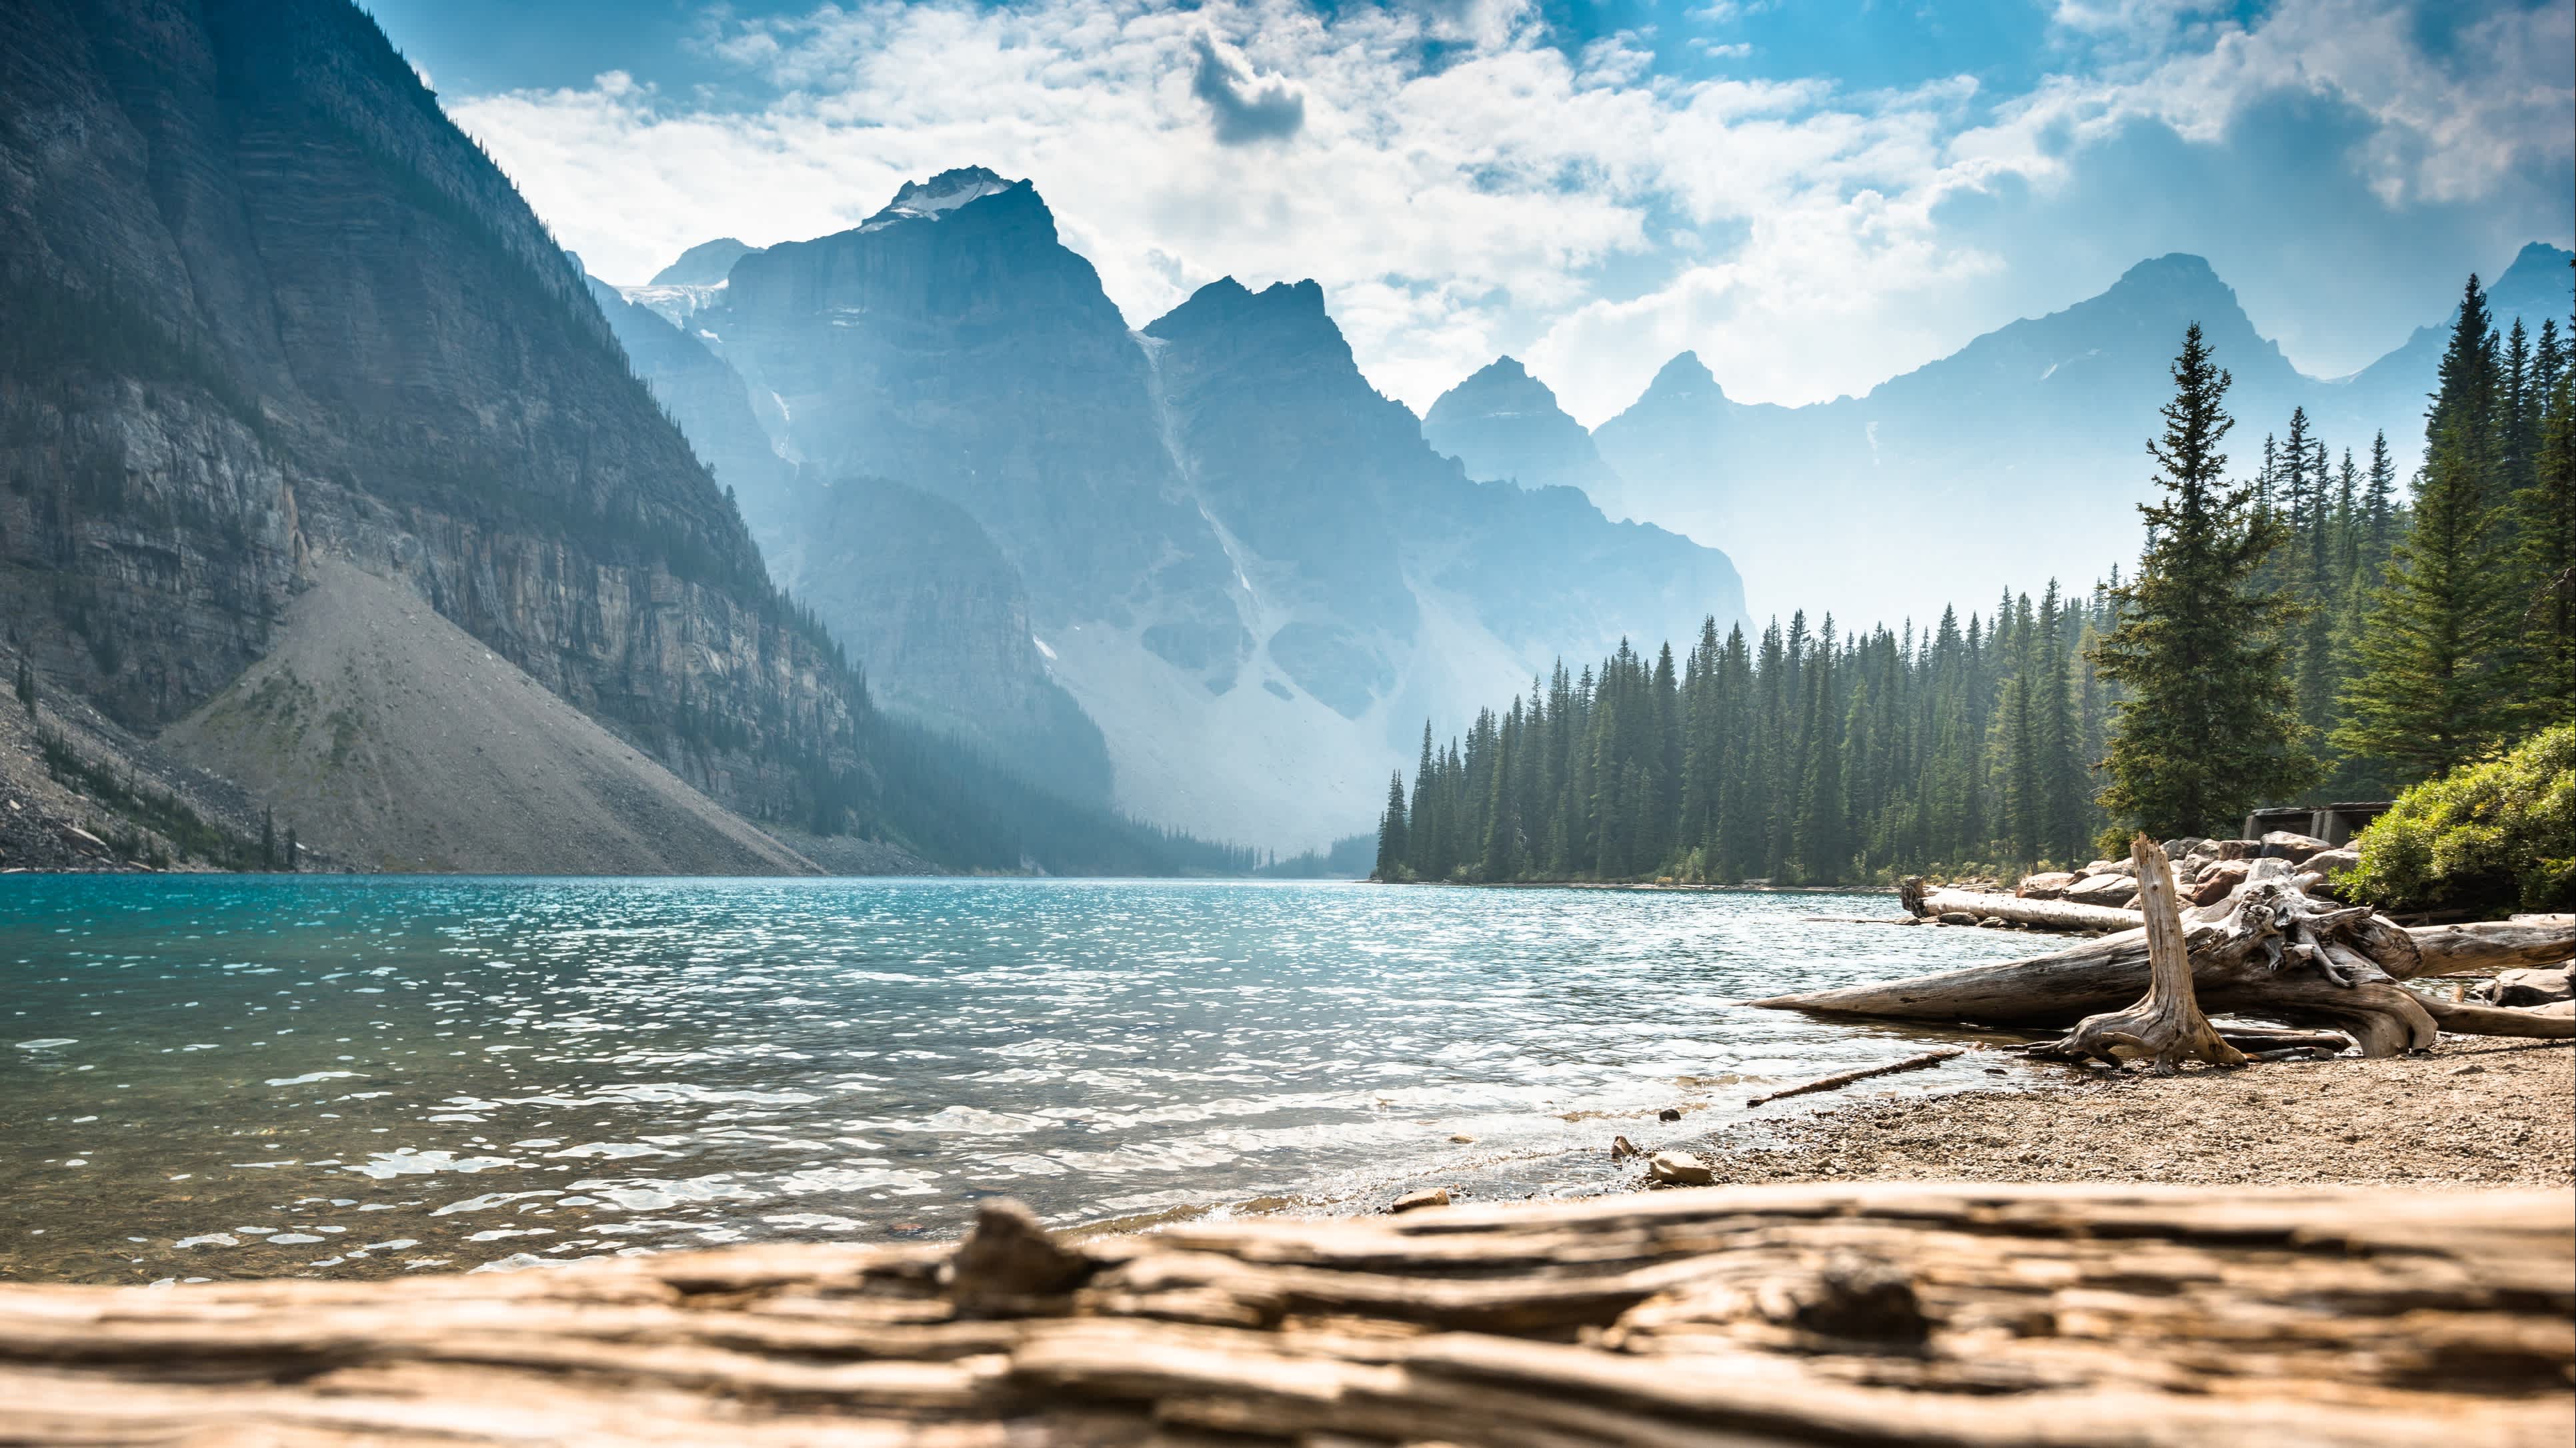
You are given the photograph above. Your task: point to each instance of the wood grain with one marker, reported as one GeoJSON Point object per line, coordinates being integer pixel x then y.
{"type": "Point", "coordinates": [1930, 1314]}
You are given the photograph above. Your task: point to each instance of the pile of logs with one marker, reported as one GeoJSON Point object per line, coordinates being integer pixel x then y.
{"type": "Point", "coordinates": [2103, 895]}
{"type": "Point", "coordinates": [1902, 1314]}
{"type": "Point", "coordinates": [2270, 948]}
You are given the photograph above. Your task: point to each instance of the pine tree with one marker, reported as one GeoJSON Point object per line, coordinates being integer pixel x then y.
{"type": "Point", "coordinates": [1392, 845]}
{"type": "Point", "coordinates": [1818, 842]}
{"type": "Point", "coordinates": [2548, 572]}
{"type": "Point", "coordinates": [2379, 503]}
{"type": "Point", "coordinates": [2430, 693]}
{"type": "Point", "coordinates": [2432, 689]}
{"type": "Point", "coordinates": [2211, 726]}
{"type": "Point", "coordinates": [268, 839]}
{"type": "Point", "coordinates": [2061, 832]}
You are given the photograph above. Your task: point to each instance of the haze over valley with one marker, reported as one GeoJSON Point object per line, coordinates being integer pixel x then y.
{"type": "Point", "coordinates": [903, 543]}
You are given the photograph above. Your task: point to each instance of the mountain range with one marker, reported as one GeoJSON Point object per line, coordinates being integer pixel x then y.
{"type": "Point", "coordinates": [334, 487]}
{"type": "Point", "coordinates": [1202, 567]}
{"type": "Point", "coordinates": [331, 493]}
{"type": "Point", "coordinates": [2018, 456]}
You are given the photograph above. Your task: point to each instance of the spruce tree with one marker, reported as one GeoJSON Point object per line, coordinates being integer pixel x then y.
{"type": "Point", "coordinates": [1391, 843]}
{"type": "Point", "coordinates": [2211, 725]}
{"type": "Point", "coordinates": [2379, 504]}
{"type": "Point", "coordinates": [2548, 573]}
{"type": "Point", "coordinates": [2435, 660]}
{"type": "Point", "coordinates": [2430, 692]}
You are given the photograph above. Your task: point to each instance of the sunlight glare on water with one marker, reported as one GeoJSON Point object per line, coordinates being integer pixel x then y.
{"type": "Point", "coordinates": [219, 1076]}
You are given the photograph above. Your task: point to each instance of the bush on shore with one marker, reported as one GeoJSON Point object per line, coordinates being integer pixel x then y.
{"type": "Point", "coordinates": [2496, 835]}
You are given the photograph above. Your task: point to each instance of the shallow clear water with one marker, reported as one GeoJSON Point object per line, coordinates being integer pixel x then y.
{"type": "Point", "coordinates": [235, 1076]}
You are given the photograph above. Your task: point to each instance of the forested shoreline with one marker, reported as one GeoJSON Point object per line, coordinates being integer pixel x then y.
{"type": "Point", "coordinates": [2300, 634]}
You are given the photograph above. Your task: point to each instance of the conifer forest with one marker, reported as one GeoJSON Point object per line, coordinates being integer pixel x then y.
{"type": "Point", "coordinates": [2309, 627]}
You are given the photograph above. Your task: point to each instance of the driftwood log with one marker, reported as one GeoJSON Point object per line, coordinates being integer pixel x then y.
{"type": "Point", "coordinates": [2268, 951]}
{"type": "Point", "coordinates": [1897, 1314]}
{"type": "Point", "coordinates": [1931, 902]}
{"type": "Point", "coordinates": [2165, 1027]}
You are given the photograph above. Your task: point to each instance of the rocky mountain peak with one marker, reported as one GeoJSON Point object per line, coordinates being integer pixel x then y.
{"type": "Point", "coordinates": [1502, 424]}
{"type": "Point", "coordinates": [942, 194]}
{"type": "Point", "coordinates": [706, 264]}
{"type": "Point", "coordinates": [1686, 379]}
{"type": "Point", "coordinates": [1282, 321]}
{"type": "Point", "coordinates": [2174, 280]}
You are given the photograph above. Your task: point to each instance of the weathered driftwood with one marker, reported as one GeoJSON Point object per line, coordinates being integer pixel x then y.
{"type": "Point", "coordinates": [2269, 951]}
{"type": "Point", "coordinates": [1846, 1078]}
{"type": "Point", "coordinates": [2488, 946]}
{"type": "Point", "coordinates": [1930, 902]}
{"type": "Point", "coordinates": [2165, 1026]}
{"type": "Point", "coordinates": [1914, 1314]}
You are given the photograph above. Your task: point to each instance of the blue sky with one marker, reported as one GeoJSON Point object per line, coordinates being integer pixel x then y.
{"type": "Point", "coordinates": [1814, 196]}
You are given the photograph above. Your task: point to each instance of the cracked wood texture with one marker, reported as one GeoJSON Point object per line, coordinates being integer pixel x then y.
{"type": "Point", "coordinates": [1913, 1314]}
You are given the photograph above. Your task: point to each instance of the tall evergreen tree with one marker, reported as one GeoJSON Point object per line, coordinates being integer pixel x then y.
{"type": "Point", "coordinates": [2212, 725]}
{"type": "Point", "coordinates": [2379, 502]}
{"type": "Point", "coordinates": [2548, 572]}
{"type": "Point", "coordinates": [1392, 846]}
{"type": "Point", "coordinates": [2431, 689]}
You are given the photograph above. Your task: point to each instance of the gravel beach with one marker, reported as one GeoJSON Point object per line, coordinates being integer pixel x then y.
{"type": "Point", "coordinates": [2473, 1112]}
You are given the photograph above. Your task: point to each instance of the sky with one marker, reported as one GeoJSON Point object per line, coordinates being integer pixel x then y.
{"type": "Point", "coordinates": [1813, 196]}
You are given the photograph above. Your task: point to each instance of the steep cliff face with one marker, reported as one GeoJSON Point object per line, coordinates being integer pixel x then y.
{"type": "Point", "coordinates": [953, 344]}
{"type": "Point", "coordinates": [921, 596]}
{"type": "Point", "coordinates": [909, 584]}
{"type": "Point", "coordinates": [264, 303]}
{"type": "Point", "coordinates": [1240, 559]}
{"type": "Point", "coordinates": [714, 409]}
{"type": "Point", "coordinates": [1288, 441]}
{"type": "Point", "coordinates": [1503, 425]}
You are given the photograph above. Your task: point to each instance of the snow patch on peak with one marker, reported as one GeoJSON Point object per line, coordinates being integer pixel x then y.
{"type": "Point", "coordinates": [941, 194]}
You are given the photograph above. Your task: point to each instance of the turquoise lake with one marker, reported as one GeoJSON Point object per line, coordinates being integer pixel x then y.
{"type": "Point", "coordinates": [225, 1076]}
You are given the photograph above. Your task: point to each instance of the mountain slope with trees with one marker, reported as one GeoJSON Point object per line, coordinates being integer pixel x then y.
{"type": "Point", "coordinates": [265, 308]}
{"type": "Point", "coordinates": [2302, 630]}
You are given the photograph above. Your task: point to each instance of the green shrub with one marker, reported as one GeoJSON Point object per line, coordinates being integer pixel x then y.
{"type": "Point", "coordinates": [2495, 835]}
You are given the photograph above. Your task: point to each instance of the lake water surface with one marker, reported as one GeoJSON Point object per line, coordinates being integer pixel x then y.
{"type": "Point", "coordinates": [220, 1076]}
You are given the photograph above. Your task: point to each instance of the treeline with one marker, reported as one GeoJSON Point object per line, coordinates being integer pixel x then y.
{"type": "Point", "coordinates": [1802, 756]}
{"type": "Point", "coordinates": [2302, 633]}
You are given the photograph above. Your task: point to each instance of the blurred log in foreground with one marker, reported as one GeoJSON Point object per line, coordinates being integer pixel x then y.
{"type": "Point", "coordinates": [1932, 1314]}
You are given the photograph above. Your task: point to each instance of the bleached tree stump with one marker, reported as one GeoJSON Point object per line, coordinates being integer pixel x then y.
{"type": "Point", "coordinates": [2165, 1027]}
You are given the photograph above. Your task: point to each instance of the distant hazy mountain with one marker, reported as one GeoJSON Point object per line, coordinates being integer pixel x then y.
{"type": "Point", "coordinates": [2020, 456]}
{"type": "Point", "coordinates": [703, 265]}
{"type": "Point", "coordinates": [911, 585]}
{"type": "Point", "coordinates": [2534, 287]}
{"type": "Point", "coordinates": [1505, 426]}
{"type": "Point", "coordinates": [1246, 564]}
{"type": "Point", "coordinates": [334, 491]}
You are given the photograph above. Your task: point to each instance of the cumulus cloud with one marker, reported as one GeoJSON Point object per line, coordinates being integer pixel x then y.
{"type": "Point", "coordinates": [1464, 185]}
{"type": "Point", "coordinates": [1244, 112]}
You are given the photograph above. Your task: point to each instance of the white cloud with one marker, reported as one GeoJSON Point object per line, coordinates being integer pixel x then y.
{"type": "Point", "coordinates": [1483, 203]}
